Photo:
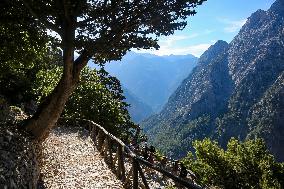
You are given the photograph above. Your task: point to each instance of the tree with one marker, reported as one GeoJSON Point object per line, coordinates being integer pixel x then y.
{"type": "Point", "coordinates": [101, 30]}
{"type": "Point", "coordinates": [243, 165]}
{"type": "Point", "coordinates": [99, 98]}
{"type": "Point", "coordinates": [22, 48]}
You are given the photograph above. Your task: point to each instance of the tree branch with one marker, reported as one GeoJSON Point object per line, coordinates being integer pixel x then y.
{"type": "Point", "coordinates": [81, 61]}
{"type": "Point", "coordinates": [44, 22]}
{"type": "Point", "coordinates": [83, 22]}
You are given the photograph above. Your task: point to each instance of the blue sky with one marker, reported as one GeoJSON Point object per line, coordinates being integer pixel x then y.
{"type": "Point", "coordinates": [215, 20]}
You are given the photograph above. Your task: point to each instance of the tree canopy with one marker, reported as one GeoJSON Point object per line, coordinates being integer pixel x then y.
{"type": "Point", "coordinates": [102, 30]}
{"type": "Point", "coordinates": [25, 81]}
{"type": "Point", "coordinates": [99, 98]}
{"type": "Point", "coordinates": [107, 29]}
{"type": "Point", "coordinates": [22, 48]}
{"type": "Point", "coordinates": [243, 165]}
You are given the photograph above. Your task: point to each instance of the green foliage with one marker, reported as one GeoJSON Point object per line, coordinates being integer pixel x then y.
{"type": "Point", "coordinates": [175, 140]}
{"type": "Point", "coordinates": [46, 80]}
{"type": "Point", "coordinates": [19, 79]}
{"type": "Point", "coordinates": [242, 165]}
{"type": "Point", "coordinates": [15, 109]}
{"type": "Point", "coordinates": [20, 59]}
{"type": "Point", "coordinates": [23, 53]}
{"type": "Point", "coordinates": [99, 98]}
{"type": "Point", "coordinates": [159, 155]}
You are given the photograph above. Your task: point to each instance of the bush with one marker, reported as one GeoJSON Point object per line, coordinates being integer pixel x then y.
{"type": "Point", "coordinates": [99, 98]}
{"type": "Point", "coordinates": [242, 165]}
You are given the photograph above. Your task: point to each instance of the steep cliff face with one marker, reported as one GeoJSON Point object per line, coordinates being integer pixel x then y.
{"type": "Point", "coordinates": [235, 91]}
{"type": "Point", "coordinates": [192, 108]}
{"type": "Point", "coordinates": [266, 118]}
{"type": "Point", "coordinates": [202, 85]}
{"type": "Point", "coordinates": [256, 60]}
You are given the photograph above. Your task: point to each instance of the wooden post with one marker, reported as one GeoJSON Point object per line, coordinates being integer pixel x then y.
{"type": "Point", "coordinates": [104, 148]}
{"type": "Point", "coordinates": [144, 180]}
{"type": "Point", "coordinates": [115, 159]}
{"type": "Point", "coordinates": [128, 177]}
{"type": "Point", "coordinates": [135, 165]}
{"type": "Point", "coordinates": [96, 129]}
{"type": "Point", "coordinates": [97, 138]}
{"type": "Point", "coordinates": [92, 131]}
{"type": "Point", "coordinates": [109, 148]}
{"type": "Point", "coordinates": [121, 168]}
{"type": "Point", "coordinates": [118, 156]}
{"type": "Point", "coordinates": [100, 140]}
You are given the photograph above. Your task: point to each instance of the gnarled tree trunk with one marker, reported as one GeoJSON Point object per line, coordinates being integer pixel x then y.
{"type": "Point", "coordinates": [50, 110]}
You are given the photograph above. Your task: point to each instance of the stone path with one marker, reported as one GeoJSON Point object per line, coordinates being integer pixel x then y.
{"type": "Point", "coordinates": [71, 161]}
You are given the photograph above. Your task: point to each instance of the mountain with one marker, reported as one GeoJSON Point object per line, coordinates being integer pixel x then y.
{"type": "Point", "coordinates": [152, 78]}
{"type": "Point", "coordinates": [186, 115]}
{"type": "Point", "coordinates": [236, 90]}
{"type": "Point", "coordinates": [138, 110]}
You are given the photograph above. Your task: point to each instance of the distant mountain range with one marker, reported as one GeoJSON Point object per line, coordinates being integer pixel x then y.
{"type": "Point", "coordinates": [149, 79]}
{"type": "Point", "coordinates": [236, 90]}
{"type": "Point", "coordinates": [138, 110]}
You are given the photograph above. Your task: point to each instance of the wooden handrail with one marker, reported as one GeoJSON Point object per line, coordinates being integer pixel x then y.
{"type": "Point", "coordinates": [106, 142]}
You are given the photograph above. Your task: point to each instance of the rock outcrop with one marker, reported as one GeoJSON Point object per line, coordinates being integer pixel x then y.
{"type": "Point", "coordinates": [18, 163]}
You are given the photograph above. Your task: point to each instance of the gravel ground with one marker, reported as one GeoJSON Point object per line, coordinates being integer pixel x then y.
{"type": "Point", "coordinates": [69, 160]}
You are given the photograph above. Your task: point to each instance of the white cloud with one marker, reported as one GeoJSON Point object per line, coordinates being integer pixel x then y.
{"type": "Point", "coordinates": [175, 45]}
{"type": "Point", "coordinates": [233, 25]}
{"type": "Point", "coordinates": [171, 40]}
{"type": "Point", "coordinates": [195, 50]}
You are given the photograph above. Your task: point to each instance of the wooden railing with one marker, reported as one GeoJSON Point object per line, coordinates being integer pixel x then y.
{"type": "Point", "coordinates": [127, 166]}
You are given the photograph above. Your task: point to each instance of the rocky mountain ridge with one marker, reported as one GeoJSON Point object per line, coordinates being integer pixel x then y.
{"type": "Point", "coordinates": [235, 91]}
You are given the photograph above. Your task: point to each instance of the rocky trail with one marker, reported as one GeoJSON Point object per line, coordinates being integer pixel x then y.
{"type": "Point", "coordinates": [70, 160]}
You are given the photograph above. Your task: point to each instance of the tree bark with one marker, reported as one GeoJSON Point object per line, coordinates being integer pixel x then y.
{"type": "Point", "coordinates": [50, 110]}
